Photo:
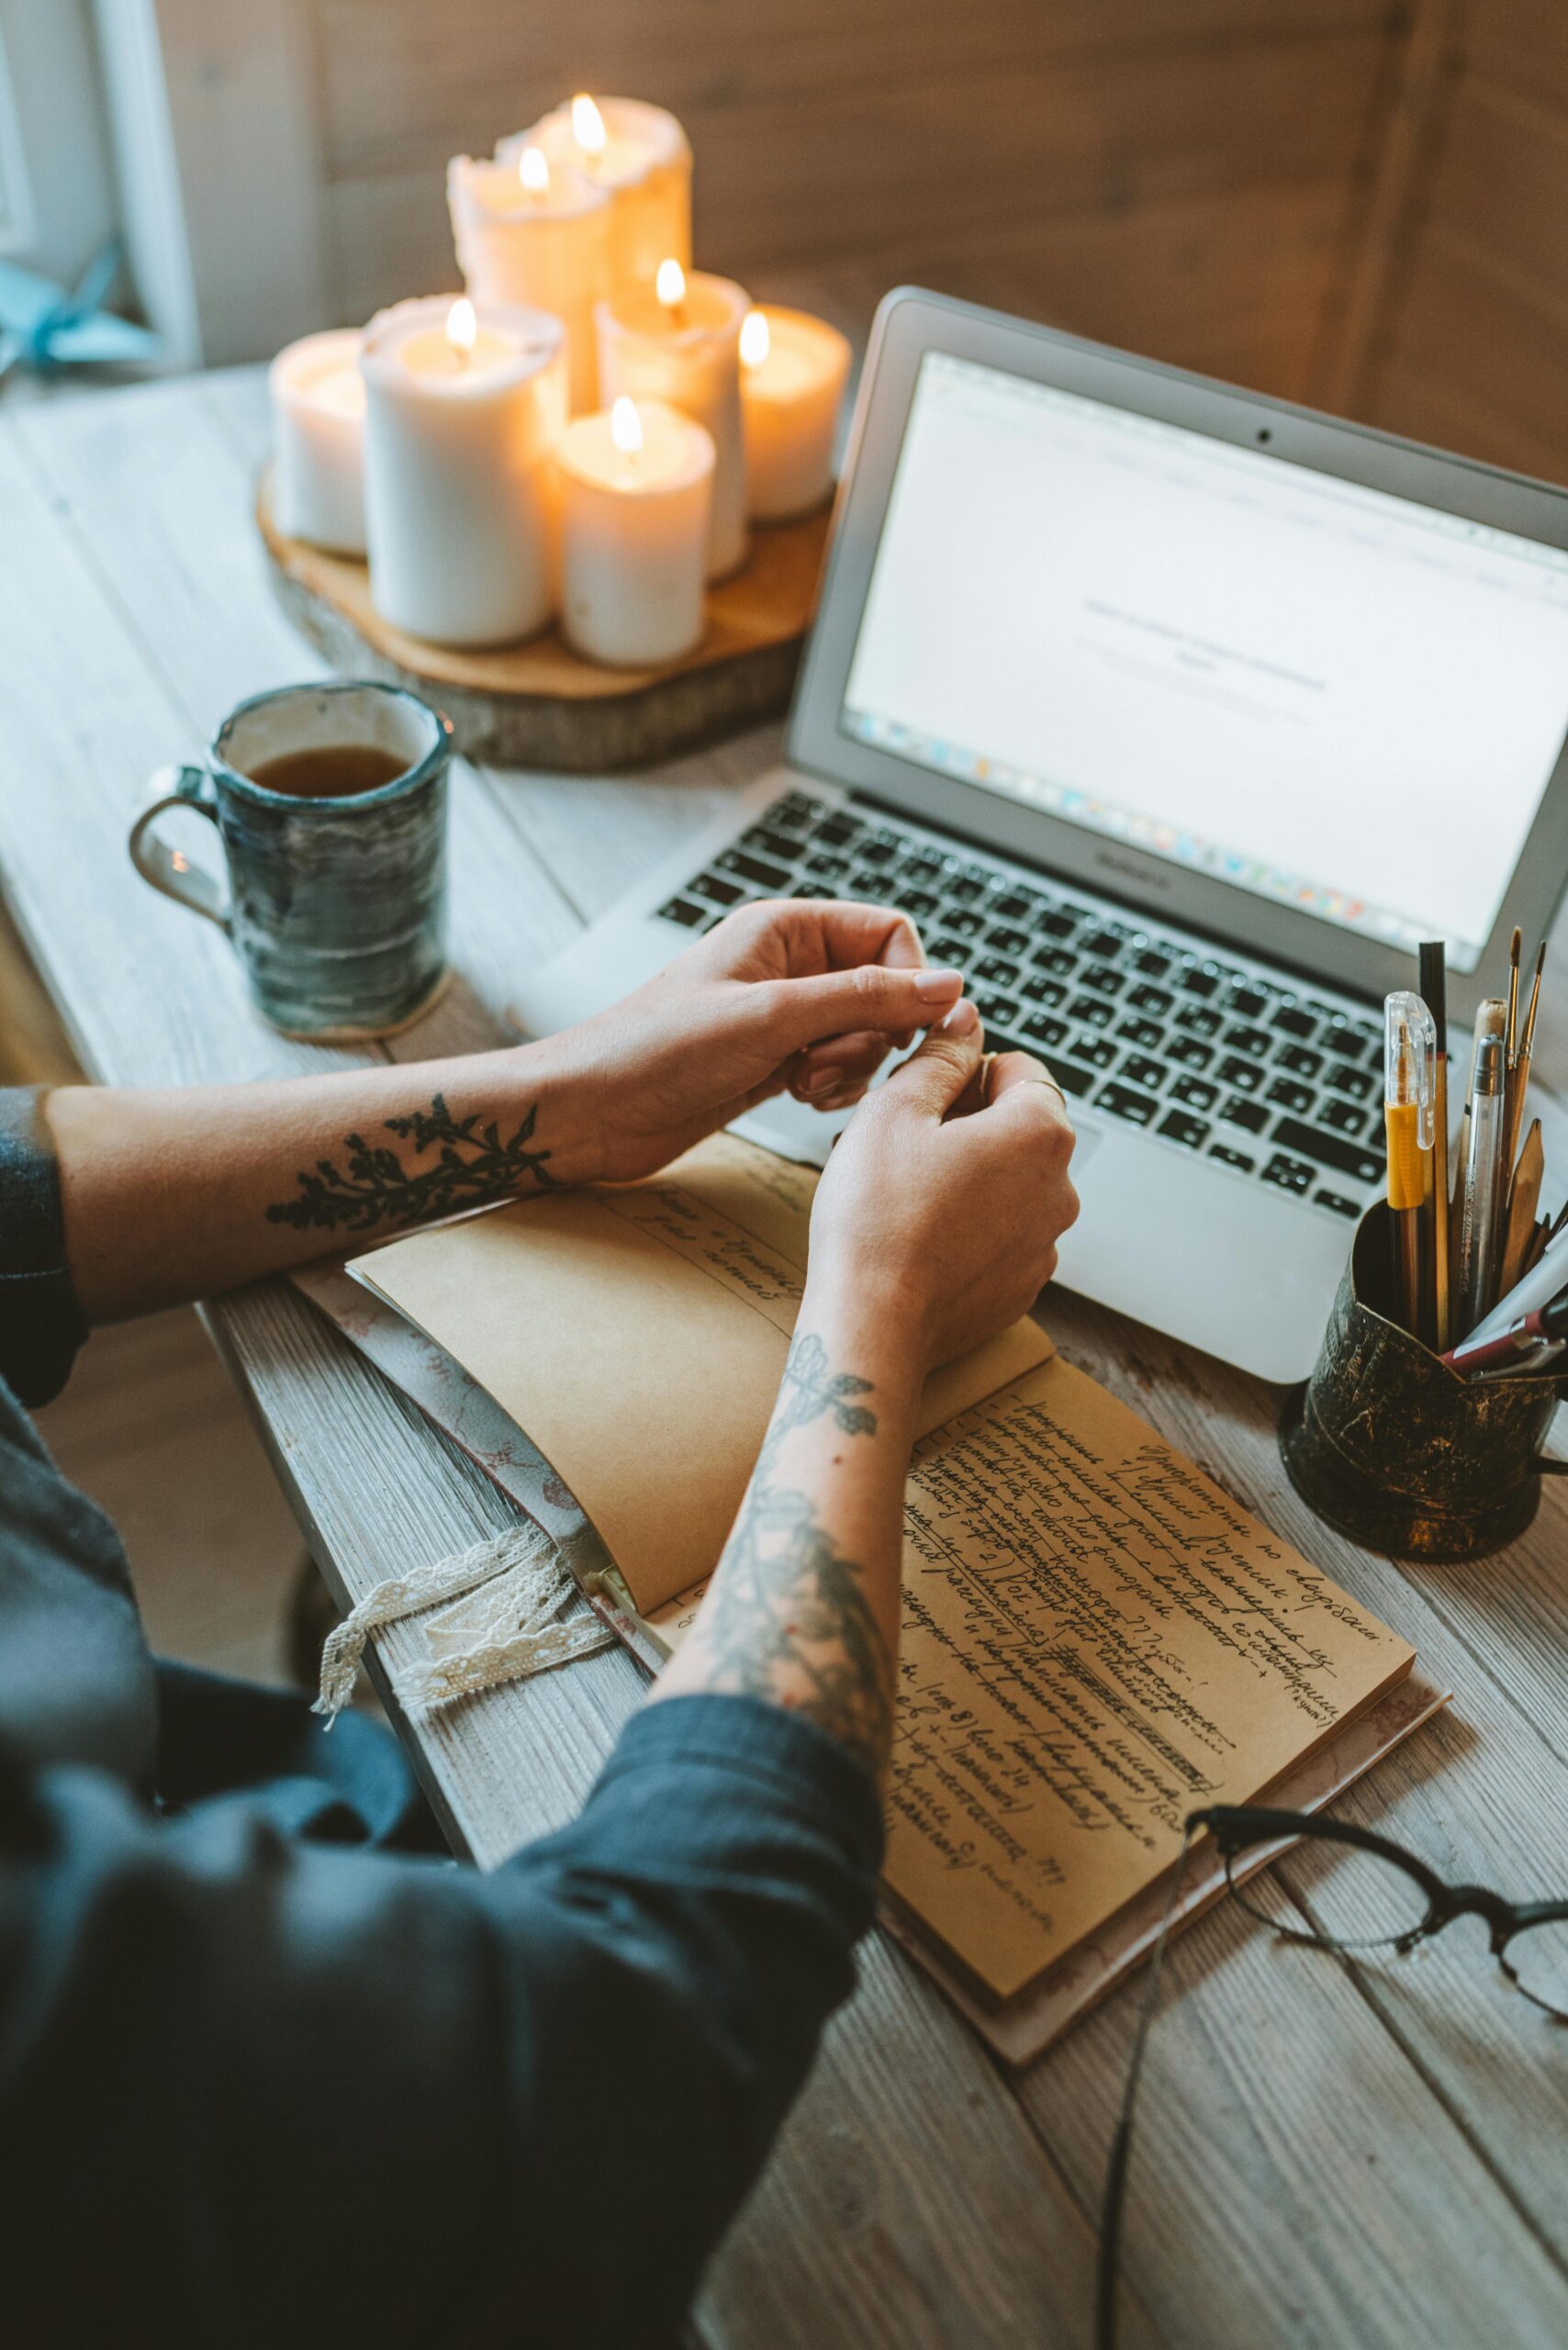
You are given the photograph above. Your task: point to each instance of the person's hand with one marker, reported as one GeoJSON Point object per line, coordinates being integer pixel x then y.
{"type": "Point", "coordinates": [795, 993]}
{"type": "Point", "coordinates": [946, 1193]}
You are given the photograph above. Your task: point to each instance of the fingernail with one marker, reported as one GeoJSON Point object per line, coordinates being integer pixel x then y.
{"type": "Point", "coordinates": [932, 986]}
{"type": "Point", "coordinates": [962, 1021]}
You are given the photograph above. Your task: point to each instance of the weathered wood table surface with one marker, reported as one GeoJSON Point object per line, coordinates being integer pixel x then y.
{"type": "Point", "coordinates": [1327, 2156]}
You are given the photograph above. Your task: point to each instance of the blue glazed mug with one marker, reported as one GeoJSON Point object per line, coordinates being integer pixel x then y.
{"type": "Point", "coordinates": [336, 901]}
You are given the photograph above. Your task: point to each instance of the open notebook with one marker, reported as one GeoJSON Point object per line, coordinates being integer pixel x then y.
{"type": "Point", "coordinates": [1095, 1638]}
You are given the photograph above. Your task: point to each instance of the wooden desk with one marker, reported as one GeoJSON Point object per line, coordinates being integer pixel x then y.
{"type": "Point", "coordinates": [1325, 2158]}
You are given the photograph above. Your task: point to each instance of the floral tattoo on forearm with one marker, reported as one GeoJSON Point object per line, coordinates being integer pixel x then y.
{"type": "Point", "coordinates": [472, 1166]}
{"type": "Point", "coordinates": [787, 1617]}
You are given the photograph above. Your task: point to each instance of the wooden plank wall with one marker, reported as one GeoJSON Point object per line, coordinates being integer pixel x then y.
{"type": "Point", "coordinates": [1469, 346]}
{"type": "Point", "coordinates": [1185, 176]}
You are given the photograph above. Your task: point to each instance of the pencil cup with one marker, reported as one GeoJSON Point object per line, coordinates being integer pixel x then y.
{"type": "Point", "coordinates": [1398, 1451]}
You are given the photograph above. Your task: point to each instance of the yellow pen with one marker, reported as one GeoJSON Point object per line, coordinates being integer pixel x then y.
{"type": "Point", "coordinates": [1410, 1060]}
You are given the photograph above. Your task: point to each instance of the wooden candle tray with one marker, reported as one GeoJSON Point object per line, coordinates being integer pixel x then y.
{"type": "Point", "coordinates": [540, 704]}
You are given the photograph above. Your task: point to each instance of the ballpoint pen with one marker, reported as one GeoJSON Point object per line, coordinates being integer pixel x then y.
{"type": "Point", "coordinates": [1410, 1052]}
{"type": "Point", "coordinates": [1433, 974]}
{"type": "Point", "coordinates": [1547, 1323]}
{"type": "Point", "coordinates": [1483, 1172]}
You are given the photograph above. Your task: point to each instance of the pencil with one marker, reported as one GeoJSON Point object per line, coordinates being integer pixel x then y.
{"type": "Point", "coordinates": [1432, 966]}
{"type": "Point", "coordinates": [1519, 1064]}
{"type": "Point", "coordinates": [1523, 1198]}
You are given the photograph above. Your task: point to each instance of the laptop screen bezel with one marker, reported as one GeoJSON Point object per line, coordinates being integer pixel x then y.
{"type": "Point", "coordinates": [911, 322]}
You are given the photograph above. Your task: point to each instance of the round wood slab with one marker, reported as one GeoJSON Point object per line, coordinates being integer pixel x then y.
{"type": "Point", "coordinates": [540, 704]}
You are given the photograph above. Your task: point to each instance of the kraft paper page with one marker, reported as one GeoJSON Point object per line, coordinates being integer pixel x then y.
{"type": "Point", "coordinates": [1096, 1640]}
{"type": "Point", "coordinates": [638, 1337]}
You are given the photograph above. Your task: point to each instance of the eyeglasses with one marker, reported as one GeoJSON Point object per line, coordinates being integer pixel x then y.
{"type": "Point", "coordinates": [1376, 1897]}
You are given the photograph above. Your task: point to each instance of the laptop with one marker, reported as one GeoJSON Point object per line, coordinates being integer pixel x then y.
{"type": "Point", "coordinates": [1176, 717]}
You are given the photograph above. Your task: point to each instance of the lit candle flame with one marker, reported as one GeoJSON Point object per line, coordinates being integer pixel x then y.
{"type": "Point", "coordinates": [670, 285]}
{"type": "Point", "coordinates": [587, 128]}
{"type": "Point", "coordinates": [755, 340]}
{"type": "Point", "coordinates": [462, 326]}
{"type": "Point", "coordinates": [534, 172]}
{"type": "Point", "coordinates": [626, 427]}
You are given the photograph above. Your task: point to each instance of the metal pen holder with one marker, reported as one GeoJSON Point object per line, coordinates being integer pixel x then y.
{"type": "Point", "coordinates": [1389, 1445]}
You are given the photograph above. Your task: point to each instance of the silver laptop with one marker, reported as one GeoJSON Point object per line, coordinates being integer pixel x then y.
{"type": "Point", "coordinates": [1176, 717]}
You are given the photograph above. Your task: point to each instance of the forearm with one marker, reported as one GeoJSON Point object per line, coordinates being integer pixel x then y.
{"type": "Point", "coordinates": [803, 1608]}
{"type": "Point", "coordinates": [171, 1194]}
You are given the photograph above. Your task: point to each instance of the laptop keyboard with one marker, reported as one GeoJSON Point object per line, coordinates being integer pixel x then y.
{"type": "Point", "coordinates": [1207, 1052]}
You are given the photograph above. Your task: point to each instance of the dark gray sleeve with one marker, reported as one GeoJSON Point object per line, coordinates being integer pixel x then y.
{"type": "Point", "coordinates": [41, 1325]}
{"type": "Point", "coordinates": [272, 2092]}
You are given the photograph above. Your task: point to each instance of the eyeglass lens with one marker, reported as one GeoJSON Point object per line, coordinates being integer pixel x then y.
{"type": "Point", "coordinates": [1339, 1896]}
{"type": "Point", "coordinates": [1536, 1958]}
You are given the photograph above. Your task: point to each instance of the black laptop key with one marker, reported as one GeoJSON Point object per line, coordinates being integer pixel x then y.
{"type": "Point", "coordinates": [1071, 1078]}
{"type": "Point", "coordinates": [1096, 1050]}
{"type": "Point", "coordinates": [1151, 963]}
{"type": "Point", "coordinates": [1196, 1092]}
{"type": "Point", "coordinates": [1250, 1116]}
{"type": "Point", "coordinates": [1199, 983]}
{"type": "Point", "coordinates": [964, 891]}
{"type": "Point", "coordinates": [1337, 1201]}
{"type": "Point", "coordinates": [771, 844]}
{"type": "Point", "coordinates": [1102, 981]}
{"type": "Point", "coordinates": [1199, 1021]}
{"type": "Point", "coordinates": [918, 903]}
{"type": "Point", "coordinates": [1146, 1032]}
{"type": "Point", "coordinates": [1188, 1053]}
{"type": "Point", "coordinates": [754, 868]}
{"type": "Point", "coordinates": [1101, 943]}
{"type": "Point", "coordinates": [1057, 926]}
{"type": "Point", "coordinates": [1147, 999]}
{"type": "Point", "coordinates": [1291, 1021]}
{"type": "Point", "coordinates": [997, 971]}
{"type": "Point", "coordinates": [961, 921]}
{"type": "Point", "coordinates": [1246, 1002]}
{"type": "Point", "coordinates": [797, 808]}
{"type": "Point", "coordinates": [879, 888]}
{"type": "Point", "coordinates": [1122, 1101]}
{"type": "Point", "coordinates": [1041, 1029]}
{"type": "Point", "coordinates": [716, 889]}
{"type": "Point", "coordinates": [1295, 1175]}
{"type": "Point", "coordinates": [813, 890]}
{"type": "Point", "coordinates": [1286, 1095]}
{"type": "Point", "coordinates": [1009, 907]}
{"type": "Point", "coordinates": [1344, 1117]}
{"type": "Point", "coordinates": [1182, 1128]}
{"type": "Point", "coordinates": [1038, 989]}
{"type": "Point", "coordinates": [1139, 1069]}
{"type": "Point", "coordinates": [1250, 1041]}
{"type": "Point", "coordinates": [996, 1011]}
{"type": "Point", "coordinates": [1299, 1060]}
{"type": "Point", "coordinates": [1229, 1158]}
{"type": "Point", "coordinates": [681, 909]}
{"type": "Point", "coordinates": [1346, 1158]}
{"type": "Point", "coordinates": [1340, 1040]}
{"type": "Point", "coordinates": [947, 949]}
{"type": "Point", "coordinates": [1008, 940]}
{"type": "Point", "coordinates": [1241, 1074]}
{"type": "Point", "coordinates": [1056, 959]}
{"type": "Point", "coordinates": [828, 865]}
{"type": "Point", "coordinates": [1358, 1083]}
{"type": "Point", "coordinates": [833, 831]}
{"type": "Point", "coordinates": [878, 853]}
{"type": "Point", "coordinates": [1091, 1012]}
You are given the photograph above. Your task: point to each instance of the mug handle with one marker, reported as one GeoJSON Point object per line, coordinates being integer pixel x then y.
{"type": "Point", "coordinates": [166, 869]}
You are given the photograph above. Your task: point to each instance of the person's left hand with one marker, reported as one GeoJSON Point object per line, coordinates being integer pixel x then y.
{"type": "Point", "coordinates": [794, 993]}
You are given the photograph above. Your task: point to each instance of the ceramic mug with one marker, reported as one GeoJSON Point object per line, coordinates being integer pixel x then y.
{"type": "Point", "coordinates": [336, 905]}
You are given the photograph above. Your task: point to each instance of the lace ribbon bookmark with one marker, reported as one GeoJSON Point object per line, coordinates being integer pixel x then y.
{"type": "Point", "coordinates": [505, 1630]}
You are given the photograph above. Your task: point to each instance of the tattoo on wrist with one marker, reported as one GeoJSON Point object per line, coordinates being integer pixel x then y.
{"type": "Point", "coordinates": [788, 1618]}
{"type": "Point", "coordinates": [471, 1166]}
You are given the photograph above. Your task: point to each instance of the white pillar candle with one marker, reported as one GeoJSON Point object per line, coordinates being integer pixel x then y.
{"type": "Point", "coordinates": [678, 339]}
{"type": "Point", "coordinates": [318, 411]}
{"type": "Point", "coordinates": [641, 157]}
{"type": "Point", "coordinates": [464, 412]}
{"type": "Point", "coordinates": [636, 486]}
{"type": "Point", "coordinates": [535, 233]}
{"type": "Point", "coordinates": [793, 371]}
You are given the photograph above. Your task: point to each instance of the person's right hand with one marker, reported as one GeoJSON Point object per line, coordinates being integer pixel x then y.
{"type": "Point", "coordinates": [947, 1192]}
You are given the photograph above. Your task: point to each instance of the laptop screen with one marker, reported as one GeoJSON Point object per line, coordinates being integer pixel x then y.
{"type": "Point", "coordinates": [1313, 690]}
